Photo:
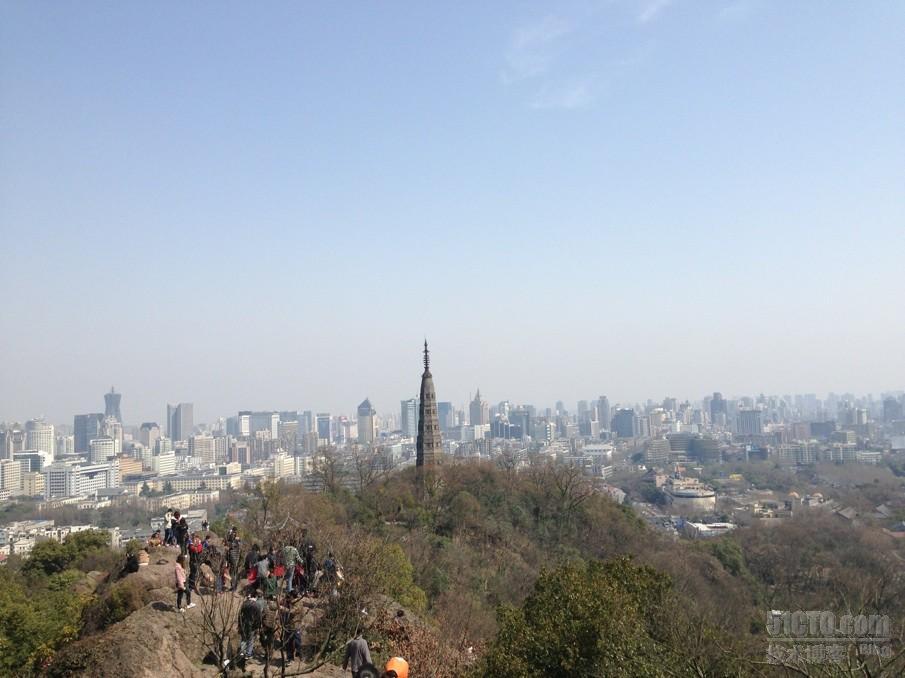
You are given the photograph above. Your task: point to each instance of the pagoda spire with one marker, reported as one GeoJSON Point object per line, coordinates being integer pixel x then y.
{"type": "Point", "coordinates": [428, 447]}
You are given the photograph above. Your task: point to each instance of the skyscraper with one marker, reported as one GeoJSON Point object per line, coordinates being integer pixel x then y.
{"type": "Point", "coordinates": [750, 422]}
{"type": "Point", "coordinates": [111, 405]}
{"type": "Point", "coordinates": [367, 423]}
{"type": "Point", "coordinates": [180, 421]}
{"type": "Point", "coordinates": [447, 414]}
{"type": "Point", "coordinates": [148, 434]}
{"type": "Point", "coordinates": [429, 446]}
{"type": "Point", "coordinates": [478, 411]}
{"type": "Point", "coordinates": [409, 419]}
{"type": "Point", "coordinates": [603, 412]}
{"type": "Point", "coordinates": [85, 428]}
{"type": "Point", "coordinates": [39, 435]}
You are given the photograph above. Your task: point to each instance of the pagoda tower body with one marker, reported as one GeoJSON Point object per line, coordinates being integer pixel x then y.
{"type": "Point", "coordinates": [429, 447]}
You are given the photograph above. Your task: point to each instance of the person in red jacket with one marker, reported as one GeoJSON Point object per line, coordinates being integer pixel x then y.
{"type": "Point", "coordinates": [196, 556]}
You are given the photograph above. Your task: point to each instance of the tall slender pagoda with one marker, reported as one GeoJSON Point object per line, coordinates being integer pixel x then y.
{"type": "Point", "coordinates": [429, 448]}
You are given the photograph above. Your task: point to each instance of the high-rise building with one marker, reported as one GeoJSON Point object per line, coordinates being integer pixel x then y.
{"type": "Point", "coordinates": [62, 479]}
{"type": "Point", "coordinates": [306, 422]}
{"type": "Point", "coordinates": [447, 415]}
{"type": "Point", "coordinates": [101, 449]}
{"type": "Point", "coordinates": [603, 412]}
{"type": "Point", "coordinates": [148, 434]}
{"type": "Point", "coordinates": [180, 421]}
{"type": "Point", "coordinates": [324, 424]}
{"type": "Point", "coordinates": [111, 405]}
{"type": "Point", "coordinates": [750, 422]}
{"type": "Point", "coordinates": [252, 422]}
{"type": "Point", "coordinates": [428, 446]}
{"type": "Point", "coordinates": [718, 410]}
{"type": "Point", "coordinates": [367, 423]}
{"type": "Point", "coordinates": [201, 447]}
{"type": "Point", "coordinates": [85, 428]}
{"type": "Point", "coordinates": [478, 411]}
{"type": "Point", "coordinates": [624, 423]}
{"type": "Point", "coordinates": [10, 476]}
{"type": "Point", "coordinates": [39, 435]}
{"type": "Point", "coordinates": [408, 421]}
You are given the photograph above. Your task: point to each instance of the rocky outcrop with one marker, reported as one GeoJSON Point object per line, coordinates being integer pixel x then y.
{"type": "Point", "coordinates": [156, 639]}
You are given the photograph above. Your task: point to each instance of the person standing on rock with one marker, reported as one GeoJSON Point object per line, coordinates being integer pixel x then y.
{"type": "Point", "coordinates": [251, 563]}
{"type": "Point", "coordinates": [233, 555]}
{"type": "Point", "coordinates": [181, 532]}
{"type": "Point", "coordinates": [181, 588]}
{"type": "Point", "coordinates": [196, 556]}
{"type": "Point", "coordinates": [290, 558]}
{"type": "Point", "coordinates": [249, 624]}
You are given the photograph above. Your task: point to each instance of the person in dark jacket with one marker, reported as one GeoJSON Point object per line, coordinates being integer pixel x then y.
{"type": "Point", "coordinates": [251, 561]}
{"type": "Point", "coordinates": [181, 532]}
{"type": "Point", "coordinates": [250, 618]}
{"type": "Point", "coordinates": [358, 654]}
{"type": "Point", "coordinates": [233, 555]}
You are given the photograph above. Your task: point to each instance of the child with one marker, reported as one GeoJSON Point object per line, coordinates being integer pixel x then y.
{"type": "Point", "coordinates": [181, 589]}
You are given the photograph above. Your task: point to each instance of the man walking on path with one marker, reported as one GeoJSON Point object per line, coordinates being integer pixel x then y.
{"type": "Point", "coordinates": [357, 655]}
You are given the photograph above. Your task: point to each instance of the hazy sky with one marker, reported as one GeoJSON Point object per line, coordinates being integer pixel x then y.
{"type": "Point", "coordinates": [269, 205]}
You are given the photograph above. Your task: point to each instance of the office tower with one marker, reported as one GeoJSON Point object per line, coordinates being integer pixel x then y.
{"type": "Point", "coordinates": [72, 480]}
{"type": "Point", "coordinates": [85, 428]}
{"type": "Point", "coordinates": [428, 446]}
{"type": "Point", "coordinates": [65, 444]}
{"type": "Point", "coordinates": [252, 422]}
{"type": "Point", "coordinates": [148, 434]}
{"type": "Point", "coordinates": [750, 422]}
{"type": "Point", "coordinates": [111, 405]}
{"type": "Point", "coordinates": [113, 429]}
{"type": "Point", "coordinates": [40, 436]}
{"type": "Point", "coordinates": [306, 422]}
{"type": "Point", "coordinates": [718, 410]}
{"type": "Point", "coordinates": [408, 422]}
{"type": "Point", "coordinates": [603, 412]}
{"type": "Point", "coordinates": [478, 411]}
{"type": "Point", "coordinates": [11, 476]}
{"type": "Point", "coordinates": [367, 423]}
{"type": "Point", "coordinates": [324, 425]}
{"type": "Point", "coordinates": [180, 421]}
{"type": "Point", "coordinates": [656, 452]}
{"type": "Point", "coordinates": [201, 447]}
{"type": "Point", "coordinates": [624, 423]}
{"type": "Point", "coordinates": [101, 449]}
{"type": "Point", "coordinates": [447, 416]}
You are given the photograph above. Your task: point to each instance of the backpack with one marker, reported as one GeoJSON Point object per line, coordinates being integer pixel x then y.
{"type": "Point", "coordinates": [270, 616]}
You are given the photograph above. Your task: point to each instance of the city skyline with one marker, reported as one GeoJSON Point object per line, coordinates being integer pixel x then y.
{"type": "Point", "coordinates": [261, 207]}
{"type": "Point", "coordinates": [464, 406]}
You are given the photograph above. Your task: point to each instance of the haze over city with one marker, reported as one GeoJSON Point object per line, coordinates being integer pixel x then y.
{"type": "Point", "coordinates": [247, 208]}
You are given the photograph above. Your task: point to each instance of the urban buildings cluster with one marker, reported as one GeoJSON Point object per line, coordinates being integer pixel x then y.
{"type": "Point", "coordinates": [100, 456]}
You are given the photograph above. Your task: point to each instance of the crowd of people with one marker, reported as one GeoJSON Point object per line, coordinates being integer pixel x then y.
{"type": "Point", "coordinates": [276, 579]}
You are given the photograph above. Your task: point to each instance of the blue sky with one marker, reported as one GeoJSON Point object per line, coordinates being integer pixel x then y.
{"type": "Point", "coordinates": [270, 204]}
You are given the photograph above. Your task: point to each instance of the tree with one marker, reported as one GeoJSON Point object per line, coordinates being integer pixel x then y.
{"type": "Point", "coordinates": [168, 487]}
{"type": "Point", "coordinates": [145, 490]}
{"type": "Point", "coordinates": [586, 619]}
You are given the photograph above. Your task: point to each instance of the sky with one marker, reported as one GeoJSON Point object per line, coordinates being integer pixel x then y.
{"type": "Point", "coordinates": [271, 205]}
